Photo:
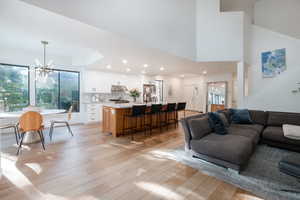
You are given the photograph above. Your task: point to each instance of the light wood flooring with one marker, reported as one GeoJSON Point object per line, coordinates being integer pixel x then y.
{"type": "Point", "coordinates": [94, 166]}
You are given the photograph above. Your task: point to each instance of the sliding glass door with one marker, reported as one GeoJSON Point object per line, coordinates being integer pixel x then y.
{"type": "Point", "coordinates": [14, 87]}
{"type": "Point", "coordinates": [59, 91]}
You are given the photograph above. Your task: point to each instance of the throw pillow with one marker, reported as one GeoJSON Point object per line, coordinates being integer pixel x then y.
{"type": "Point", "coordinates": [240, 116]}
{"type": "Point", "coordinates": [224, 119]}
{"type": "Point", "coordinates": [218, 124]}
{"type": "Point", "coordinates": [199, 127]}
{"type": "Point", "coordinates": [291, 131]}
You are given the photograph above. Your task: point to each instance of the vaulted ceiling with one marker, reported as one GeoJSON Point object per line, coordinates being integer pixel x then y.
{"type": "Point", "coordinates": [168, 25]}
{"type": "Point", "coordinates": [24, 25]}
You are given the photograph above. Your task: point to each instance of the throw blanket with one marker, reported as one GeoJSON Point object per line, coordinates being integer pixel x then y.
{"type": "Point", "coordinates": [291, 131]}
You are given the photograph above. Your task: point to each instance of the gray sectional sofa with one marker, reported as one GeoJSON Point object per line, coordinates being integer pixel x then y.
{"type": "Point", "coordinates": [234, 149]}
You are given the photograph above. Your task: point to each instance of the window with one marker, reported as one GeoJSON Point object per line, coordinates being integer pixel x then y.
{"type": "Point", "coordinates": [59, 91]}
{"type": "Point", "coordinates": [14, 87]}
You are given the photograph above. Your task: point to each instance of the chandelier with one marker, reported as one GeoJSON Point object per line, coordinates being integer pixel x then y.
{"type": "Point", "coordinates": [43, 70]}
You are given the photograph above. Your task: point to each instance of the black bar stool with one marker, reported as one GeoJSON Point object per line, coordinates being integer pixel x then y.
{"type": "Point", "coordinates": [137, 112]}
{"type": "Point", "coordinates": [154, 112]}
{"type": "Point", "coordinates": [180, 107]}
{"type": "Point", "coordinates": [170, 115]}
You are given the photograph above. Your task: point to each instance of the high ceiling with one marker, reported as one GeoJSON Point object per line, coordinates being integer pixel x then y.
{"type": "Point", "coordinates": [168, 25]}
{"type": "Point", "coordinates": [23, 26]}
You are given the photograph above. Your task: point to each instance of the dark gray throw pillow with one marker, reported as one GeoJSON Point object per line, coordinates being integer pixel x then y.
{"type": "Point", "coordinates": [240, 116]}
{"type": "Point", "coordinates": [218, 125]}
{"type": "Point", "coordinates": [199, 127]}
{"type": "Point", "coordinates": [224, 119]}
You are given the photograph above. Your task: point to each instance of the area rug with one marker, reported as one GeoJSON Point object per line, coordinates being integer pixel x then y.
{"type": "Point", "coordinates": [261, 177]}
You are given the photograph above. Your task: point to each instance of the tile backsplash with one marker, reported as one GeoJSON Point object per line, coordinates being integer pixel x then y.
{"type": "Point", "coordinates": [105, 97]}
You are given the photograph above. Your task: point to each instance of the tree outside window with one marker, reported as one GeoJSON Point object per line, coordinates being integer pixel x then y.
{"type": "Point", "coordinates": [14, 87]}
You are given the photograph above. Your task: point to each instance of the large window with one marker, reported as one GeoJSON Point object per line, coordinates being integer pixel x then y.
{"type": "Point", "coordinates": [14, 87]}
{"type": "Point", "coordinates": [59, 91]}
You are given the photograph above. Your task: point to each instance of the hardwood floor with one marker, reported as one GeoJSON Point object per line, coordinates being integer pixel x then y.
{"type": "Point", "coordinates": [93, 166]}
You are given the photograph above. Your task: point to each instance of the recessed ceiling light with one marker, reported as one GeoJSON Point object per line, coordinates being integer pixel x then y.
{"type": "Point", "coordinates": [162, 69]}
{"type": "Point", "coordinates": [108, 66]}
{"type": "Point", "coordinates": [124, 61]}
{"type": "Point", "coordinates": [204, 72]}
{"type": "Point", "coordinates": [143, 72]}
{"type": "Point", "coordinates": [128, 69]}
{"type": "Point", "coordinates": [182, 75]}
{"type": "Point", "coordinates": [146, 65]}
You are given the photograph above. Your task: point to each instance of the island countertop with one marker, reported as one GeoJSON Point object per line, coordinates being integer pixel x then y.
{"type": "Point", "coordinates": [127, 105]}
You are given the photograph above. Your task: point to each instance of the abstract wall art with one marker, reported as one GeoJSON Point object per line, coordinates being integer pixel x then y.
{"type": "Point", "coordinates": [273, 63]}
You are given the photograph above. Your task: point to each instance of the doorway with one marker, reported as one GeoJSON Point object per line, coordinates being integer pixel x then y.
{"type": "Point", "coordinates": [216, 96]}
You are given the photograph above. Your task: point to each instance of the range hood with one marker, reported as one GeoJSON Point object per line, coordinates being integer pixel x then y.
{"type": "Point", "coordinates": [118, 89]}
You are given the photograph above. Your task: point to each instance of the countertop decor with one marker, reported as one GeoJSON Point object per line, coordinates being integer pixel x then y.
{"type": "Point", "coordinates": [134, 93]}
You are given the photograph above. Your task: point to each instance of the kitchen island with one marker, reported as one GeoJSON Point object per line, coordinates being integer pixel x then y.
{"type": "Point", "coordinates": [113, 118]}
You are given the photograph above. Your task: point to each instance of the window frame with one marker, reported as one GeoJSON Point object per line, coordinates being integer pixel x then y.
{"type": "Point", "coordinates": [61, 70]}
{"type": "Point", "coordinates": [28, 71]}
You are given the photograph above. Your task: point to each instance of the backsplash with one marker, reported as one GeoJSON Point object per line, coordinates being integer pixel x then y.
{"type": "Point", "coordinates": [105, 97]}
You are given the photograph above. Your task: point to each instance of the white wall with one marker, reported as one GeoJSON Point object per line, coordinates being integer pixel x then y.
{"type": "Point", "coordinates": [194, 93]}
{"type": "Point", "coordinates": [279, 16]}
{"type": "Point", "coordinates": [219, 36]}
{"type": "Point", "coordinates": [201, 83]}
{"type": "Point", "coordinates": [273, 93]}
{"type": "Point", "coordinates": [239, 5]}
{"type": "Point", "coordinates": [168, 25]}
{"type": "Point", "coordinates": [172, 88]}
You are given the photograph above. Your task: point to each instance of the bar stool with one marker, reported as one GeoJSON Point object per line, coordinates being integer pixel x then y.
{"type": "Point", "coordinates": [170, 114]}
{"type": "Point", "coordinates": [180, 107]}
{"type": "Point", "coordinates": [154, 112]}
{"type": "Point", "coordinates": [137, 112]}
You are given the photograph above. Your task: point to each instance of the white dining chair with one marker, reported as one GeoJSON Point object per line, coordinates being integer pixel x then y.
{"type": "Point", "coordinates": [15, 127]}
{"type": "Point", "coordinates": [66, 122]}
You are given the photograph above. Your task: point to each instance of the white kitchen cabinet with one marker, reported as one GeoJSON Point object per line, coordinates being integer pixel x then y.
{"type": "Point", "coordinates": [93, 113]}
{"type": "Point", "coordinates": [96, 82]}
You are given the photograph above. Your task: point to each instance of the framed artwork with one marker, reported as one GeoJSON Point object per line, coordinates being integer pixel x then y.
{"type": "Point", "coordinates": [273, 63]}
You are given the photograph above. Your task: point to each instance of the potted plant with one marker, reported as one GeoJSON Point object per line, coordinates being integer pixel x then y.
{"type": "Point", "coordinates": [134, 93]}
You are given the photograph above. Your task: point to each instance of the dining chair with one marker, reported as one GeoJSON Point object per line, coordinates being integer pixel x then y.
{"type": "Point", "coordinates": [16, 130]}
{"type": "Point", "coordinates": [66, 122]}
{"type": "Point", "coordinates": [31, 121]}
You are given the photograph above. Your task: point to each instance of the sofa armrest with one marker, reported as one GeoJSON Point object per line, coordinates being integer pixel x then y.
{"type": "Point", "coordinates": [187, 134]}
{"type": "Point", "coordinates": [186, 129]}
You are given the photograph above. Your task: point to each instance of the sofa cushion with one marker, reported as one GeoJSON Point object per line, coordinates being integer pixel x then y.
{"type": "Point", "coordinates": [257, 127]}
{"type": "Point", "coordinates": [199, 127]}
{"type": "Point", "coordinates": [275, 134]}
{"type": "Point", "coordinates": [258, 116]}
{"type": "Point", "coordinates": [217, 122]}
{"type": "Point", "coordinates": [231, 148]}
{"type": "Point", "coordinates": [280, 118]}
{"type": "Point", "coordinates": [251, 131]}
{"type": "Point", "coordinates": [240, 116]}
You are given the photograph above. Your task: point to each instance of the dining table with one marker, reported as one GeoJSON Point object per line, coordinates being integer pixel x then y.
{"type": "Point", "coordinates": [29, 137]}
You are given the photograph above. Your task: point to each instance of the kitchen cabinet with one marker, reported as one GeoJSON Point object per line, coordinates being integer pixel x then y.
{"type": "Point", "coordinates": [93, 112]}
{"type": "Point", "coordinates": [97, 83]}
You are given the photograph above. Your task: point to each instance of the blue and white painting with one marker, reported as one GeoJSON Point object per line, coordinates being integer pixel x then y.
{"type": "Point", "coordinates": [273, 63]}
